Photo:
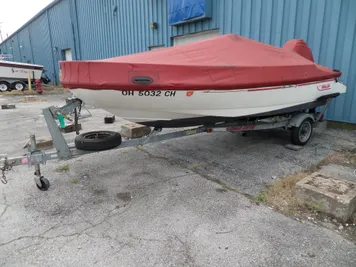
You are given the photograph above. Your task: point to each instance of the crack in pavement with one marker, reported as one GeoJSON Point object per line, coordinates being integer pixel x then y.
{"type": "Point", "coordinates": [66, 243]}
{"type": "Point", "coordinates": [75, 235]}
{"type": "Point", "coordinates": [41, 236]}
{"type": "Point", "coordinates": [5, 204]}
{"type": "Point", "coordinates": [114, 253]}
{"type": "Point", "coordinates": [115, 239]}
{"type": "Point", "coordinates": [164, 181]}
{"type": "Point", "coordinates": [189, 260]}
{"type": "Point", "coordinates": [19, 251]}
{"type": "Point", "coordinates": [201, 174]}
{"type": "Point", "coordinates": [147, 239]}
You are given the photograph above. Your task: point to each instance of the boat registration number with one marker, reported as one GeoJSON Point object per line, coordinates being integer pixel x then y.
{"type": "Point", "coordinates": [150, 93]}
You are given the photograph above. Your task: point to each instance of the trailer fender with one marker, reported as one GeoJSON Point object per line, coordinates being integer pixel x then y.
{"type": "Point", "coordinates": [297, 120]}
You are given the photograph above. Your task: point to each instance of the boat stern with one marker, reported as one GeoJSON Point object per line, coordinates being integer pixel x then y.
{"type": "Point", "coordinates": [340, 88]}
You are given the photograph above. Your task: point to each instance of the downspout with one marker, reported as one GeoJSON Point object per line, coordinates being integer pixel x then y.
{"type": "Point", "coordinates": [73, 29]}
{"type": "Point", "coordinates": [30, 38]}
{"type": "Point", "coordinates": [19, 46]}
{"type": "Point", "coordinates": [52, 48]}
{"type": "Point", "coordinates": [79, 55]}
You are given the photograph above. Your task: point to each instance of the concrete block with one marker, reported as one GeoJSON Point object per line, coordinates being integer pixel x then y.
{"type": "Point", "coordinates": [42, 143]}
{"type": "Point", "coordinates": [336, 197]}
{"type": "Point", "coordinates": [109, 119]}
{"type": "Point", "coordinates": [134, 130]}
{"type": "Point", "coordinates": [8, 106]}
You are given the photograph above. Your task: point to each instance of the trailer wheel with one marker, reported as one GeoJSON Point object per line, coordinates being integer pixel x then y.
{"type": "Point", "coordinates": [98, 140]}
{"type": "Point", "coordinates": [44, 184]}
{"type": "Point", "coordinates": [301, 135]}
{"type": "Point", "coordinates": [4, 86]}
{"type": "Point", "coordinates": [19, 86]}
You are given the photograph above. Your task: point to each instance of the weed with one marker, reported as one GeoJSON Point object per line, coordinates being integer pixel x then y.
{"type": "Point", "coordinates": [315, 207]}
{"type": "Point", "coordinates": [260, 197]}
{"type": "Point", "coordinates": [63, 168]}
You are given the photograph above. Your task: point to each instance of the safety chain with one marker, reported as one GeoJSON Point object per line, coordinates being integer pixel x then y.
{"type": "Point", "coordinates": [5, 168]}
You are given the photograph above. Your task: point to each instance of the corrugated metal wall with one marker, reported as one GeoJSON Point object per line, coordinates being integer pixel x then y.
{"type": "Point", "coordinates": [96, 29]}
{"type": "Point", "coordinates": [41, 44]}
{"type": "Point", "coordinates": [120, 27]}
{"type": "Point", "coordinates": [25, 45]}
{"type": "Point", "coordinates": [62, 37]}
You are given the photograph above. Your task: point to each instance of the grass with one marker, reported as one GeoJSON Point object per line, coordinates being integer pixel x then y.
{"type": "Point", "coordinates": [341, 125]}
{"type": "Point", "coordinates": [63, 168]}
{"type": "Point", "coordinates": [46, 91]}
{"type": "Point", "coordinates": [260, 198]}
{"type": "Point", "coordinates": [282, 194]}
{"type": "Point", "coordinates": [315, 207]}
{"type": "Point", "coordinates": [28, 99]}
{"type": "Point", "coordinates": [75, 181]}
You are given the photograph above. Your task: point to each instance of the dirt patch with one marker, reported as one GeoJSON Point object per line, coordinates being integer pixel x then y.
{"type": "Point", "coordinates": [48, 90]}
{"type": "Point", "coordinates": [281, 196]}
{"type": "Point", "coordinates": [282, 193]}
{"type": "Point", "coordinates": [30, 99]}
{"type": "Point", "coordinates": [341, 125]}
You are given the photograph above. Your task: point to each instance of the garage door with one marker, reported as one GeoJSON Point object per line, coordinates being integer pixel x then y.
{"type": "Point", "coordinates": [188, 38]}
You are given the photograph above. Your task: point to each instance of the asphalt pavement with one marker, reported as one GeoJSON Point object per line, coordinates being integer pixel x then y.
{"type": "Point", "coordinates": [183, 202]}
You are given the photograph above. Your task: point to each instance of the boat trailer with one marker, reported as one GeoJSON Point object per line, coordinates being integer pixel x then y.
{"type": "Point", "coordinates": [300, 124]}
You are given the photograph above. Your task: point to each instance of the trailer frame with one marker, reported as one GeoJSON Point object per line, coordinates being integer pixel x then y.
{"type": "Point", "coordinates": [65, 151]}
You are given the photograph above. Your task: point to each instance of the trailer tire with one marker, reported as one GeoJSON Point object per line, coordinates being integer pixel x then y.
{"type": "Point", "coordinates": [19, 86]}
{"type": "Point", "coordinates": [98, 140]}
{"type": "Point", "coordinates": [4, 86]}
{"type": "Point", "coordinates": [301, 135]}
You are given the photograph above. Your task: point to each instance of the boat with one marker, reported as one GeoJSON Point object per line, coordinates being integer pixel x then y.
{"type": "Point", "coordinates": [221, 79]}
{"type": "Point", "coordinates": [14, 75]}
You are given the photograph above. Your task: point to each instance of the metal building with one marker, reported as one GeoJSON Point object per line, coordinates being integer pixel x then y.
{"type": "Point", "coordinates": [95, 29]}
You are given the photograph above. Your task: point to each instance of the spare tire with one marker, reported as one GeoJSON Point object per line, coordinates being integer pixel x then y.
{"type": "Point", "coordinates": [98, 140]}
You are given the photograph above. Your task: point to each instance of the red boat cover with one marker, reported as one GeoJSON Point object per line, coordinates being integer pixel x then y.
{"type": "Point", "coordinates": [300, 47]}
{"type": "Point", "coordinates": [224, 62]}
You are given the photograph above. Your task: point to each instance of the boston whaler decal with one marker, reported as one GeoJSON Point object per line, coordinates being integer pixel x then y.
{"type": "Point", "coordinates": [18, 70]}
{"type": "Point", "coordinates": [149, 93]}
{"type": "Point", "coordinates": [324, 87]}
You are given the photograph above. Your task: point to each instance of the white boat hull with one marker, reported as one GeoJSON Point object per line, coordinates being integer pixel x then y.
{"type": "Point", "coordinates": [168, 105]}
{"type": "Point", "coordinates": [17, 72]}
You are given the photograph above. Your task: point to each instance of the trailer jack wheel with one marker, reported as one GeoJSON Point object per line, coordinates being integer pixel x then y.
{"type": "Point", "coordinates": [301, 135]}
{"type": "Point", "coordinates": [44, 184]}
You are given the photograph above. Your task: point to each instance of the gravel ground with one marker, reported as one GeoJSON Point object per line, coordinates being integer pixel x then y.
{"type": "Point", "coordinates": [168, 204]}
